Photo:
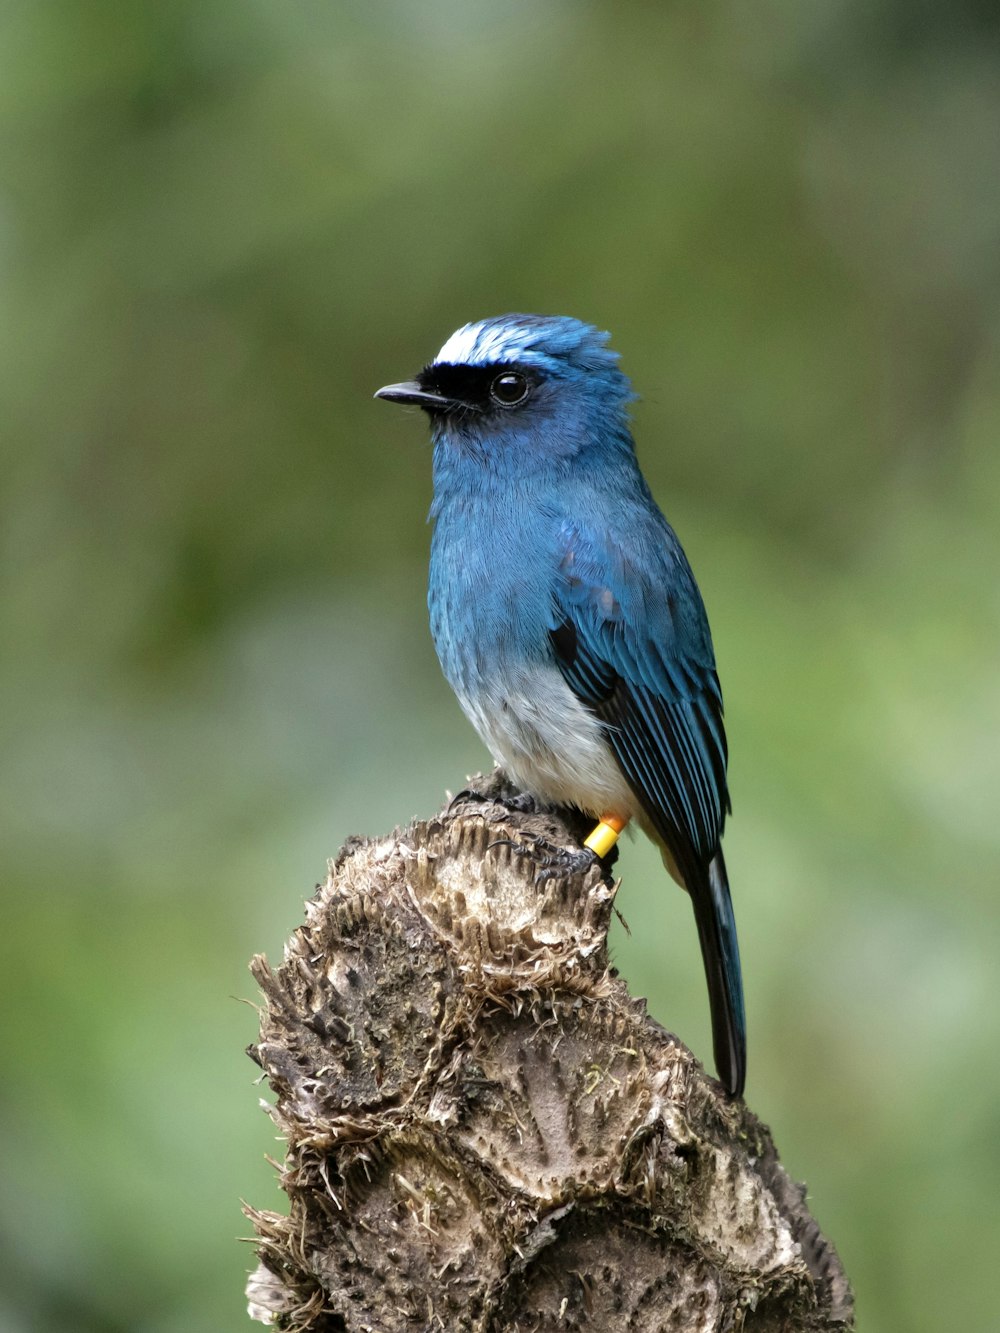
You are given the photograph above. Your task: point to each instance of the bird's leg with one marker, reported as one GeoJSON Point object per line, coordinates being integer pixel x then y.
{"type": "Point", "coordinates": [554, 861]}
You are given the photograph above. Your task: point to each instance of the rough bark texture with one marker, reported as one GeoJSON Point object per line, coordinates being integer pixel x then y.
{"type": "Point", "coordinates": [487, 1132]}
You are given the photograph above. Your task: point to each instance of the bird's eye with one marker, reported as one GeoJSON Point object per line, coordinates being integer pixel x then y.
{"type": "Point", "coordinates": [509, 389]}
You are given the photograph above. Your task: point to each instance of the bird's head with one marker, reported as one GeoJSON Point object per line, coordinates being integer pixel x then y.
{"type": "Point", "coordinates": [548, 386]}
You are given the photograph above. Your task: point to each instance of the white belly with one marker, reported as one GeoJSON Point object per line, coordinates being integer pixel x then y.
{"type": "Point", "coordinates": [547, 741]}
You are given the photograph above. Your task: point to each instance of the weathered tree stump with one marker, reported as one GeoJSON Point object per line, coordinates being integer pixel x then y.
{"type": "Point", "coordinates": [487, 1132]}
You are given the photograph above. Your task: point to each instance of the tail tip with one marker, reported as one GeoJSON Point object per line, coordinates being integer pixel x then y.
{"type": "Point", "coordinates": [732, 1073]}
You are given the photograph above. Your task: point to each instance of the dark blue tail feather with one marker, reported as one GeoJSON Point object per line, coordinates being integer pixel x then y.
{"type": "Point", "coordinates": [720, 951]}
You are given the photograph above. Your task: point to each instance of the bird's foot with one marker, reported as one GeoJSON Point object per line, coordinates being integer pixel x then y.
{"type": "Point", "coordinates": [467, 796]}
{"type": "Point", "coordinates": [551, 862]}
{"type": "Point", "coordinates": [521, 803]}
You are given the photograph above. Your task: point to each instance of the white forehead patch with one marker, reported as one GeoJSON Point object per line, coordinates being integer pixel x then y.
{"type": "Point", "coordinates": [481, 344]}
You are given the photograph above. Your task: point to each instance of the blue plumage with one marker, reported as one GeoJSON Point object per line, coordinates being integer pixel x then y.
{"type": "Point", "coordinates": [565, 613]}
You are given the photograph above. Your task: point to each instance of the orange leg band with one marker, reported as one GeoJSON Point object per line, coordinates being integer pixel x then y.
{"type": "Point", "coordinates": [605, 835]}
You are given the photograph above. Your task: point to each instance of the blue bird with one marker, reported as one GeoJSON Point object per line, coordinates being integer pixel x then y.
{"type": "Point", "coordinates": [566, 616]}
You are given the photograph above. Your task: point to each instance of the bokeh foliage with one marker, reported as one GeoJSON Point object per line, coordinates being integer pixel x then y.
{"type": "Point", "coordinates": [223, 223]}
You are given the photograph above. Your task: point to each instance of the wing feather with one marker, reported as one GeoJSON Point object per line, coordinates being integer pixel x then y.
{"type": "Point", "coordinates": [658, 694]}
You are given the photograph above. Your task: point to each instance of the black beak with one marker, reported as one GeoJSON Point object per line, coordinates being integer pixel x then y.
{"type": "Point", "coordinates": [411, 392]}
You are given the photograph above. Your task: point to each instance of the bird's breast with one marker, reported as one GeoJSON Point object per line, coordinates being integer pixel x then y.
{"type": "Point", "coordinates": [490, 602]}
{"type": "Point", "coordinates": [546, 740]}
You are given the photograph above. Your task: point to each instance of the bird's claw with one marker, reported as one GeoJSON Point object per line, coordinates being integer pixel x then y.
{"type": "Point", "coordinates": [468, 795]}
{"type": "Point", "coordinates": [523, 804]}
{"type": "Point", "coordinates": [565, 862]}
{"type": "Point", "coordinates": [551, 862]}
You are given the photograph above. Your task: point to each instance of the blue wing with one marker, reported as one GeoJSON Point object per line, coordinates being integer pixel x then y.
{"type": "Point", "coordinates": [630, 635]}
{"type": "Point", "coordinates": [631, 638]}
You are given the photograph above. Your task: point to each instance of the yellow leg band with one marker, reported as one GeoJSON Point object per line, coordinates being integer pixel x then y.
{"type": "Point", "coordinates": [605, 835]}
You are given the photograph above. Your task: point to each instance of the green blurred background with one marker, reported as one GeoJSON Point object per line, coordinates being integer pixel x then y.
{"type": "Point", "coordinates": [223, 224]}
